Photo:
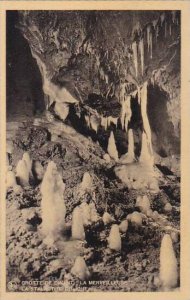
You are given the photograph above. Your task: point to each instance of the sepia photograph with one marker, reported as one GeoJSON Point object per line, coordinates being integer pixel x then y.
{"type": "Point", "coordinates": [93, 150]}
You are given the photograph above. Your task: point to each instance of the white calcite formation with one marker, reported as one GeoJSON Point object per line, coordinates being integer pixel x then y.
{"type": "Point", "coordinates": [112, 149]}
{"type": "Point", "coordinates": [143, 203]}
{"type": "Point", "coordinates": [86, 213]}
{"type": "Point", "coordinates": [123, 226]}
{"type": "Point", "coordinates": [38, 170]}
{"type": "Point", "coordinates": [135, 57]}
{"type": "Point", "coordinates": [94, 217]}
{"type": "Point", "coordinates": [129, 157]}
{"type": "Point", "coordinates": [141, 49]}
{"type": "Point", "coordinates": [168, 264]}
{"type": "Point", "coordinates": [87, 183]}
{"type": "Point", "coordinates": [107, 218]}
{"type": "Point", "coordinates": [26, 158]}
{"type": "Point", "coordinates": [62, 110]}
{"type": "Point", "coordinates": [17, 189]}
{"type": "Point", "coordinates": [146, 149]}
{"type": "Point", "coordinates": [114, 239]}
{"type": "Point", "coordinates": [22, 172]}
{"type": "Point", "coordinates": [126, 112]}
{"type": "Point", "coordinates": [80, 269]}
{"type": "Point", "coordinates": [10, 179]}
{"type": "Point", "coordinates": [77, 224]}
{"type": "Point", "coordinates": [52, 204]}
{"type": "Point", "coordinates": [135, 218]}
{"type": "Point", "coordinates": [94, 123]}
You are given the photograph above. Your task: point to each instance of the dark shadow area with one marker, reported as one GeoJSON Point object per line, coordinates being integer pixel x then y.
{"type": "Point", "coordinates": [24, 95]}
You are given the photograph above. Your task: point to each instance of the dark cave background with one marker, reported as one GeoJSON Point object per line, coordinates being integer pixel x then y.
{"type": "Point", "coordinates": [24, 83]}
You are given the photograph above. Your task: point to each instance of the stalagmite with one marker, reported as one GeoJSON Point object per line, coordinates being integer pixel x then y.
{"type": "Point", "coordinates": [77, 224]}
{"type": "Point", "coordinates": [145, 156]}
{"type": "Point", "coordinates": [129, 157]}
{"type": "Point", "coordinates": [28, 161]}
{"type": "Point", "coordinates": [141, 48]}
{"type": "Point", "coordinates": [80, 269]}
{"type": "Point", "coordinates": [135, 57]}
{"type": "Point", "coordinates": [135, 218]}
{"type": "Point", "coordinates": [10, 179]}
{"type": "Point", "coordinates": [38, 170]}
{"type": "Point", "coordinates": [94, 217]}
{"type": "Point", "coordinates": [114, 239]}
{"type": "Point", "coordinates": [143, 203]}
{"type": "Point", "coordinates": [62, 110]}
{"type": "Point", "coordinates": [52, 204]}
{"type": "Point", "coordinates": [86, 213]}
{"type": "Point", "coordinates": [17, 189]}
{"type": "Point", "coordinates": [126, 113]}
{"type": "Point", "coordinates": [146, 150]}
{"type": "Point", "coordinates": [87, 182]}
{"type": "Point", "coordinates": [123, 226]}
{"type": "Point", "coordinates": [107, 218]}
{"type": "Point", "coordinates": [168, 264]}
{"type": "Point", "coordinates": [22, 172]}
{"type": "Point", "coordinates": [112, 149]}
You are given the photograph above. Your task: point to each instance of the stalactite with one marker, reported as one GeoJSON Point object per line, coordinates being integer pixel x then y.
{"type": "Point", "coordinates": [173, 16]}
{"type": "Point", "coordinates": [112, 149]}
{"type": "Point", "coordinates": [139, 94]}
{"type": "Point", "coordinates": [146, 150]}
{"type": "Point", "coordinates": [141, 47]}
{"type": "Point", "coordinates": [126, 112]}
{"type": "Point", "coordinates": [104, 122]}
{"type": "Point", "coordinates": [135, 57]}
{"type": "Point", "coordinates": [87, 119]}
{"type": "Point", "coordinates": [165, 31]}
{"type": "Point", "coordinates": [170, 28]}
{"type": "Point", "coordinates": [162, 18]}
{"type": "Point", "coordinates": [112, 120]}
{"type": "Point", "coordinates": [94, 123]}
{"type": "Point", "coordinates": [148, 37]}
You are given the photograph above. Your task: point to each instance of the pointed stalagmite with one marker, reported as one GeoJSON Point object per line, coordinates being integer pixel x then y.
{"type": "Point", "coordinates": [80, 269]}
{"type": "Point", "coordinates": [22, 172]}
{"type": "Point", "coordinates": [107, 218]}
{"type": "Point", "coordinates": [87, 182]}
{"type": "Point", "coordinates": [28, 161]}
{"type": "Point", "coordinates": [112, 149]}
{"type": "Point", "coordinates": [114, 239]}
{"type": "Point", "coordinates": [168, 264]}
{"type": "Point", "coordinates": [129, 157]}
{"type": "Point", "coordinates": [77, 224]}
{"type": "Point", "coordinates": [52, 204]}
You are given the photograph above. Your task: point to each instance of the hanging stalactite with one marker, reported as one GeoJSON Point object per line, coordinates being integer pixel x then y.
{"type": "Point", "coordinates": [135, 57]}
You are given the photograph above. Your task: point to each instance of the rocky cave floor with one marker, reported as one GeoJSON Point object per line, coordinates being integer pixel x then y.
{"type": "Point", "coordinates": [134, 268]}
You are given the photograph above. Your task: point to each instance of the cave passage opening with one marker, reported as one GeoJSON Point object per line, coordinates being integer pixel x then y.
{"type": "Point", "coordinates": [24, 94]}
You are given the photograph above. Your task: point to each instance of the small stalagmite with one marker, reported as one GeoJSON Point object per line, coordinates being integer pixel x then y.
{"type": "Point", "coordinates": [114, 239]}
{"type": "Point", "coordinates": [107, 218]}
{"type": "Point", "coordinates": [22, 173]}
{"type": "Point", "coordinates": [26, 158]}
{"type": "Point", "coordinates": [87, 182]}
{"type": "Point", "coordinates": [77, 224]}
{"type": "Point", "coordinates": [143, 203]}
{"type": "Point", "coordinates": [10, 179]}
{"type": "Point", "coordinates": [38, 170]}
{"type": "Point", "coordinates": [129, 157]}
{"type": "Point", "coordinates": [52, 204]}
{"type": "Point", "coordinates": [94, 217]}
{"type": "Point", "coordinates": [112, 149]}
{"type": "Point", "coordinates": [168, 264]}
{"type": "Point", "coordinates": [86, 214]}
{"type": "Point", "coordinates": [80, 269]}
{"type": "Point", "coordinates": [123, 226]}
{"type": "Point", "coordinates": [135, 218]}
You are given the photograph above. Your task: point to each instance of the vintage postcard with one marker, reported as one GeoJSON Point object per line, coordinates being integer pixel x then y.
{"type": "Point", "coordinates": [95, 149]}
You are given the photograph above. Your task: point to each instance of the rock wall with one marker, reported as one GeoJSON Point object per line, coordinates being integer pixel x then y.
{"type": "Point", "coordinates": [95, 59]}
